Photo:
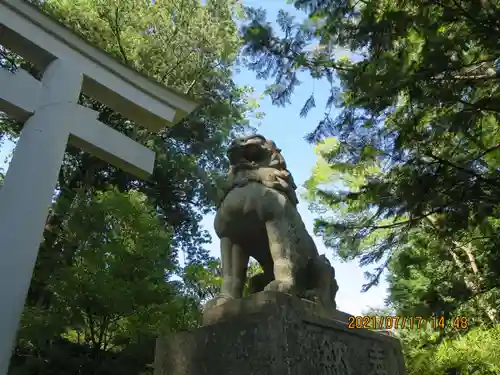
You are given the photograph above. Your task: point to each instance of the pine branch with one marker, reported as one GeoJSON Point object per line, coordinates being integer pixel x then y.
{"type": "Point", "coordinates": [492, 182]}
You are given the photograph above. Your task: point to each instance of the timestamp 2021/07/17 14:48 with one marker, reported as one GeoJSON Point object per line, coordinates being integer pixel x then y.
{"type": "Point", "coordinates": [402, 322]}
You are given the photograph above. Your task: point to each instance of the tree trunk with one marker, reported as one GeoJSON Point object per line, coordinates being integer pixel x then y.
{"type": "Point", "coordinates": [472, 275]}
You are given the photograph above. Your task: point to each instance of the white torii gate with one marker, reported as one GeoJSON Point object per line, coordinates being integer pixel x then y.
{"type": "Point", "coordinates": [54, 119]}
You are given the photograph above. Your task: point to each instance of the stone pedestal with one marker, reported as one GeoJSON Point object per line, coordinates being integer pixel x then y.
{"type": "Point", "coordinates": [277, 334]}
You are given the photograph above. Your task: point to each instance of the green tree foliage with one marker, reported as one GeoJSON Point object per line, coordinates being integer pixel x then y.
{"type": "Point", "coordinates": [104, 283]}
{"type": "Point", "coordinates": [113, 291]}
{"type": "Point", "coordinates": [254, 268]}
{"type": "Point", "coordinates": [414, 126]}
{"type": "Point", "coordinates": [475, 352]}
{"type": "Point", "coordinates": [203, 281]}
{"type": "Point", "coordinates": [406, 180]}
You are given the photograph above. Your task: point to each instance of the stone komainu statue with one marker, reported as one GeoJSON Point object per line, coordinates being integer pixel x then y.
{"type": "Point", "coordinates": [258, 218]}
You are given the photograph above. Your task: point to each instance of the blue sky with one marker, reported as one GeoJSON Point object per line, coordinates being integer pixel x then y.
{"type": "Point", "coordinates": [287, 129]}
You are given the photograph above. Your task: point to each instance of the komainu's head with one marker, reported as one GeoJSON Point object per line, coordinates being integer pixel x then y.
{"type": "Point", "coordinates": [255, 158]}
{"type": "Point", "coordinates": [250, 152]}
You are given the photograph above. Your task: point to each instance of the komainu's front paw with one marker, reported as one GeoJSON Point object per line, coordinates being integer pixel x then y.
{"type": "Point", "coordinates": [217, 301]}
{"type": "Point", "coordinates": [280, 286]}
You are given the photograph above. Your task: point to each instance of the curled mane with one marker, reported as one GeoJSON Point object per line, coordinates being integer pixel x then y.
{"type": "Point", "coordinates": [257, 159]}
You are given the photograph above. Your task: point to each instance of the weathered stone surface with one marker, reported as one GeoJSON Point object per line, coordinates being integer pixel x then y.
{"type": "Point", "coordinates": [258, 218]}
{"type": "Point", "coordinates": [271, 333]}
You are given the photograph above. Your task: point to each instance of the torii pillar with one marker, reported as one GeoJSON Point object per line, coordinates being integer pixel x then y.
{"type": "Point", "coordinates": [53, 119]}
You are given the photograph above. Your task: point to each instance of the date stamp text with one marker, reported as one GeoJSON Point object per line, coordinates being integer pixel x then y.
{"type": "Point", "coordinates": [402, 322]}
